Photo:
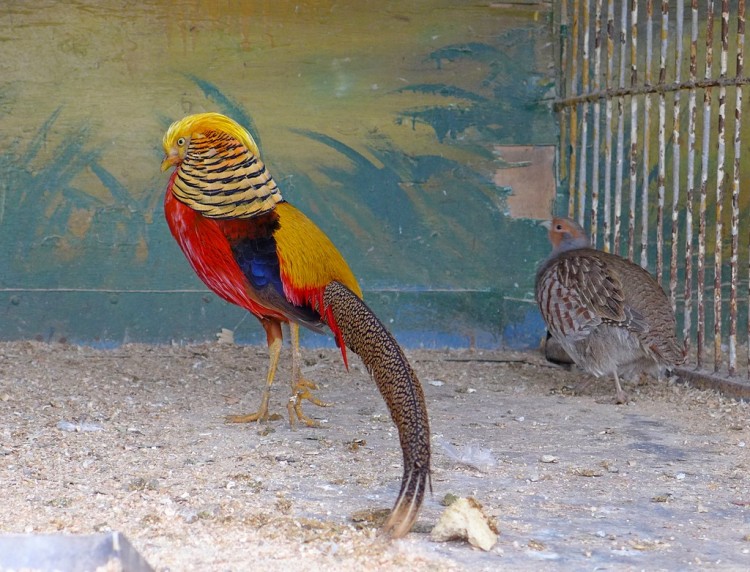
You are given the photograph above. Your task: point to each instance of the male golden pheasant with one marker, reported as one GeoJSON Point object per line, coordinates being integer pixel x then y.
{"type": "Point", "coordinates": [608, 314]}
{"type": "Point", "coordinates": [254, 249]}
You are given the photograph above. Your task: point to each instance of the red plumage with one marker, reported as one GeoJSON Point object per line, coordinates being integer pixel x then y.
{"type": "Point", "coordinates": [207, 249]}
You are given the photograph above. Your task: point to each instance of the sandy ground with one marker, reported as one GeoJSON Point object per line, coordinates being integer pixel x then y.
{"type": "Point", "coordinates": [133, 440]}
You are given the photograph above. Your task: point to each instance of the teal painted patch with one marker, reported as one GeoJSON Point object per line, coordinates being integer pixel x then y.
{"type": "Point", "coordinates": [512, 112]}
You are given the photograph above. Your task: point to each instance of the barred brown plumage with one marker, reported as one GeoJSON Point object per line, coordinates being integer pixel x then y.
{"type": "Point", "coordinates": [608, 314]}
{"type": "Point", "coordinates": [221, 178]}
{"type": "Point", "coordinates": [364, 334]}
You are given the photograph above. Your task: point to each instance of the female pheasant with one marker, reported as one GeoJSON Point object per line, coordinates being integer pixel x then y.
{"type": "Point", "coordinates": [607, 313]}
{"type": "Point", "coordinates": [257, 251]}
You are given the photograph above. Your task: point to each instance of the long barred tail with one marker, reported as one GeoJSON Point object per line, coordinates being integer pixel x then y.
{"type": "Point", "coordinates": [364, 334]}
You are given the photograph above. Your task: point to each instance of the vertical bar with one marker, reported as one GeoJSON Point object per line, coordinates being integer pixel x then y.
{"type": "Point", "coordinates": [720, 173]}
{"type": "Point", "coordinates": [662, 141]}
{"type": "Point", "coordinates": [739, 70]}
{"type": "Point", "coordinates": [597, 122]}
{"type": "Point", "coordinates": [573, 112]}
{"type": "Point", "coordinates": [584, 113]}
{"type": "Point", "coordinates": [607, 226]}
{"type": "Point", "coordinates": [676, 178]}
{"type": "Point", "coordinates": [562, 166]}
{"type": "Point", "coordinates": [689, 195]}
{"type": "Point", "coordinates": [646, 135]}
{"type": "Point", "coordinates": [633, 126]}
{"type": "Point", "coordinates": [620, 132]}
{"type": "Point", "coordinates": [705, 150]}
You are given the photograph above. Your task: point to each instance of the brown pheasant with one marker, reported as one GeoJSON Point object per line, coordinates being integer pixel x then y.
{"type": "Point", "coordinates": [608, 314]}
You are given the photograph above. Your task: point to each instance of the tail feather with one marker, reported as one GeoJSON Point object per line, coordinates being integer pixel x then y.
{"type": "Point", "coordinates": [366, 336]}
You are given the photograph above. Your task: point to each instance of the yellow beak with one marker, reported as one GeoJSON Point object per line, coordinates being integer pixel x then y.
{"type": "Point", "coordinates": [169, 161]}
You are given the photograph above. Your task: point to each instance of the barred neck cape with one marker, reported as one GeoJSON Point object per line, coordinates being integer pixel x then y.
{"type": "Point", "coordinates": [222, 178]}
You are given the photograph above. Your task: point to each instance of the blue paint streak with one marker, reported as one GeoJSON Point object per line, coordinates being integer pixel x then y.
{"type": "Point", "coordinates": [444, 91]}
{"type": "Point", "coordinates": [41, 136]}
{"type": "Point", "coordinates": [472, 50]}
{"type": "Point", "coordinates": [526, 334]}
{"type": "Point", "coordinates": [354, 156]}
{"type": "Point", "coordinates": [228, 106]}
{"type": "Point", "coordinates": [118, 191]}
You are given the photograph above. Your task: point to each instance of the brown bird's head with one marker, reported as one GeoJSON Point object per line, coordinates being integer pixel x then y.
{"type": "Point", "coordinates": [566, 234]}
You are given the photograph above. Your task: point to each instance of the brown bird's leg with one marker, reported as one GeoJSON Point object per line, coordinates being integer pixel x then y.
{"type": "Point", "coordinates": [621, 395]}
{"type": "Point", "coordinates": [301, 387]}
{"type": "Point", "coordinates": [274, 339]}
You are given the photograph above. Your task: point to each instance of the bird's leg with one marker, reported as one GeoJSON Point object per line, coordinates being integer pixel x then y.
{"type": "Point", "coordinates": [274, 339]}
{"type": "Point", "coordinates": [621, 395]}
{"type": "Point", "coordinates": [301, 387]}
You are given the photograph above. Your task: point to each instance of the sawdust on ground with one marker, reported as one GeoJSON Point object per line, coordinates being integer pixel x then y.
{"type": "Point", "coordinates": [133, 440]}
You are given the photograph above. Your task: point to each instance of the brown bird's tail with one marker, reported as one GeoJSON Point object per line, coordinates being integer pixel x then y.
{"type": "Point", "coordinates": [365, 335]}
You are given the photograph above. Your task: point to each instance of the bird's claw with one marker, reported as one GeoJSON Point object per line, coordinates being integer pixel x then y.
{"type": "Point", "coordinates": [621, 398]}
{"type": "Point", "coordinates": [252, 417]}
{"type": "Point", "coordinates": [301, 391]}
{"type": "Point", "coordinates": [249, 418]}
{"type": "Point", "coordinates": [261, 416]}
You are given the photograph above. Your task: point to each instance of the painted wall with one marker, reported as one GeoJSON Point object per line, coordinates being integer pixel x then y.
{"type": "Point", "coordinates": [419, 135]}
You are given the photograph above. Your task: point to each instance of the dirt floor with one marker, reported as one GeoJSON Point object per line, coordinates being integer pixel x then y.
{"type": "Point", "coordinates": [133, 440]}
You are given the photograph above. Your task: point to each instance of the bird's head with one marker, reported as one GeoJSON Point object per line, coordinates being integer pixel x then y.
{"type": "Point", "coordinates": [566, 234]}
{"type": "Point", "coordinates": [180, 133]}
{"type": "Point", "coordinates": [219, 172]}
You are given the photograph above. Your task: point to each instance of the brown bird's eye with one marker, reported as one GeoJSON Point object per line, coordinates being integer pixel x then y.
{"type": "Point", "coordinates": [559, 227]}
{"type": "Point", "coordinates": [180, 141]}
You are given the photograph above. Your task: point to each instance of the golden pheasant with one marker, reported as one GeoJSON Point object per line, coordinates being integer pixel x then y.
{"type": "Point", "coordinates": [608, 314]}
{"type": "Point", "coordinates": [257, 251]}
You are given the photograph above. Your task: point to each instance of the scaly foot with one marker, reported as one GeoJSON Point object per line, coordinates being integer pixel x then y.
{"type": "Point", "coordinates": [622, 397]}
{"type": "Point", "coordinates": [248, 418]}
{"type": "Point", "coordinates": [300, 392]}
{"type": "Point", "coordinates": [260, 415]}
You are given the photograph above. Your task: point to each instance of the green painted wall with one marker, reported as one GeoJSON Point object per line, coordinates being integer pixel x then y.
{"type": "Point", "coordinates": [389, 123]}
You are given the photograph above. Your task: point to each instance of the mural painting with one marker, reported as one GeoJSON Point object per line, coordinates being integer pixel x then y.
{"type": "Point", "coordinates": [385, 123]}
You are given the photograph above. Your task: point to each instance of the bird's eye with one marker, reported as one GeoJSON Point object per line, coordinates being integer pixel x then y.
{"type": "Point", "coordinates": [180, 141]}
{"type": "Point", "coordinates": [559, 227]}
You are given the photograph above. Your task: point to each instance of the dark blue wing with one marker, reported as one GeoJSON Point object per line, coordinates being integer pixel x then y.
{"type": "Point", "coordinates": [259, 262]}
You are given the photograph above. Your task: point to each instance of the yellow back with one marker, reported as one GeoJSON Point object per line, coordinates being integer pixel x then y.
{"type": "Point", "coordinates": [309, 260]}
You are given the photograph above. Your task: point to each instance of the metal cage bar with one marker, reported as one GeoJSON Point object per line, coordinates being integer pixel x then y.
{"type": "Point", "coordinates": [734, 261]}
{"type": "Point", "coordinates": [633, 154]}
{"type": "Point", "coordinates": [620, 154]}
{"type": "Point", "coordinates": [583, 163]}
{"type": "Point", "coordinates": [594, 220]}
{"type": "Point", "coordinates": [705, 154]}
{"type": "Point", "coordinates": [676, 156]}
{"type": "Point", "coordinates": [690, 187]}
{"type": "Point", "coordinates": [661, 177]}
{"type": "Point", "coordinates": [720, 181]}
{"type": "Point", "coordinates": [646, 129]}
{"type": "Point", "coordinates": [607, 218]}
